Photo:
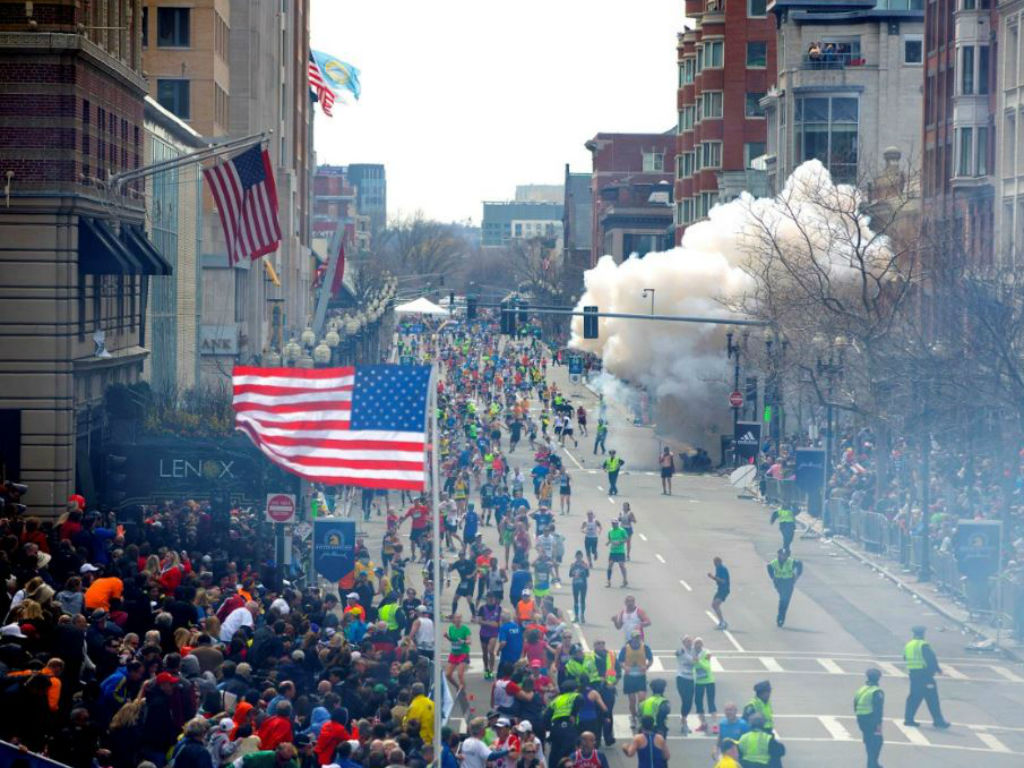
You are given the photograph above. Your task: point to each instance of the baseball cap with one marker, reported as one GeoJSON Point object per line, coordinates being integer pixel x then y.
{"type": "Point", "coordinates": [12, 630]}
{"type": "Point", "coordinates": [166, 677]}
{"type": "Point", "coordinates": [88, 568]}
{"type": "Point", "coordinates": [352, 596]}
{"type": "Point", "coordinates": [503, 722]}
{"type": "Point", "coordinates": [525, 726]}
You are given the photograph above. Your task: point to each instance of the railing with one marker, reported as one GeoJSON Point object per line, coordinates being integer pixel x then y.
{"type": "Point", "coordinates": [837, 60]}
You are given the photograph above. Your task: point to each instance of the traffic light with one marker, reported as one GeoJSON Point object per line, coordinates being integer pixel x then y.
{"type": "Point", "coordinates": [590, 322]}
{"type": "Point", "coordinates": [451, 300]}
{"type": "Point", "coordinates": [470, 307]}
{"type": "Point", "coordinates": [751, 396]}
{"type": "Point", "coordinates": [114, 479]}
{"type": "Point", "coordinates": [508, 319]}
{"type": "Point", "coordinates": [524, 307]}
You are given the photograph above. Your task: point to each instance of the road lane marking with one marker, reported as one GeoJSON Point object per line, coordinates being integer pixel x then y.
{"type": "Point", "coordinates": [831, 667]}
{"type": "Point", "coordinates": [836, 729]}
{"type": "Point", "coordinates": [660, 558]}
{"type": "Point", "coordinates": [991, 742]}
{"type": "Point", "coordinates": [611, 500]}
{"type": "Point", "coordinates": [716, 665]}
{"type": "Point", "coordinates": [656, 665]}
{"type": "Point", "coordinates": [890, 669]}
{"type": "Point", "coordinates": [591, 471]}
{"type": "Point", "coordinates": [1004, 672]}
{"type": "Point", "coordinates": [770, 664]}
{"type": "Point", "coordinates": [914, 735]}
{"type": "Point", "coordinates": [642, 537]}
{"type": "Point", "coordinates": [620, 727]}
{"type": "Point", "coordinates": [688, 588]}
{"type": "Point", "coordinates": [953, 672]}
{"type": "Point", "coordinates": [729, 636]}
{"type": "Point", "coordinates": [569, 454]}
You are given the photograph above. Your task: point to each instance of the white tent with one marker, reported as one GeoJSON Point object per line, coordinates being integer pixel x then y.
{"type": "Point", "coordinates": [421, 306]}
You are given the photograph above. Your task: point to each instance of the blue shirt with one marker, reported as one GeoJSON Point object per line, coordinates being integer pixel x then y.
{"type": "Point", "coordinates": [511, 634]}
{"type": "Point", "coordinates": [722, 575]}
{"type": "Point", "coordinates": [500, 502]}
{"type": "Point", "coordinates": [518, 503]}
{"type": "Point", "coordinates": [520, 581]}
{"type": "Point", "coordinates": [727, 730]}
{"type": "Point", "coordinates": [543, 520]}
{"type": "Point", "coordinates": [471, 523]}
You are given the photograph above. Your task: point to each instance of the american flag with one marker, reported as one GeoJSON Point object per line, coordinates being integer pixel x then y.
{"type": "Point", "coordinates": [363, 426]}
{"type": "Point", "coordinates": [316, 82]}
{"type": "Point", "coordinates": [246, 197]}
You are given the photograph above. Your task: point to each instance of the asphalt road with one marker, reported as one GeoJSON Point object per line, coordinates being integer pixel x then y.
{"type": "Point", "coordinates": [843, 619]}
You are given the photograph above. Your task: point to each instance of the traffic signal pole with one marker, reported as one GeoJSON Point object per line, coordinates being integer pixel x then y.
{"type": "Point", "coordinates": [634, 316]}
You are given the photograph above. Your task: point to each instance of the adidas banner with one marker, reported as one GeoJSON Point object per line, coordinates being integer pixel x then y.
{"type": "Point", "coordinates": [747, 440]}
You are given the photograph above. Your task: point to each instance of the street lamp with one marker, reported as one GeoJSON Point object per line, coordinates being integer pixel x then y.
{"type": "Point", "coordinates": [308, 338]}
{"type": "Point", "coordinates": [322, 354]}
{"type": "Point", "coordinates": [732, 352]}
{"type": "Point", "coordinates": [291, 351]}
{"type": "Point", "coordinates": [649, 291]}
{"type": "Point", "coordinates": [829, 365]}
{"type": "Point", "coordinates": [773, 396]}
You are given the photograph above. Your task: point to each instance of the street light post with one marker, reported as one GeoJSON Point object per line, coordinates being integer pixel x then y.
{"type": "Point", "coordinates": [732, 352]}
{"type": "Point", "coordinates": [644, 295]}
{"type": "Point", "coordinates": [831, 367]}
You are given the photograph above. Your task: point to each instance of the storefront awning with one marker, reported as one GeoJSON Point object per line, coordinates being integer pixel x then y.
{"type": "Point", "coordinates": [100, 252]}
{"type": "Point", "coordinates": [145, 252]}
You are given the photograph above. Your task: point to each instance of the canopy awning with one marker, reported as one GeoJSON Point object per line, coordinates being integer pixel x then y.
{"type": "Point", "coordinates": [101, 252]}
{"type": "Point", "coordinates": [421, 306]}
{"type": "Point", "coordinates": [145, 252]}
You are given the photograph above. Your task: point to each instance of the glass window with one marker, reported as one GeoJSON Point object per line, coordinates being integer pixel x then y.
{"type": "Point", "coordinates": [145, 26]}
{"type": "Point", "coordinates": [827, 129]}
{"type": "Point", "coordinates": [751, 150]}
{"type": "Point", "coordinates": [173, 94]}
{"type": "Point", "coordinates": [712, 154]}
{"type": "Point", "coordinates": [963, 165]}
{"type": "Point", "coordinates": [712, 104]}
{"type": "Point", "coordinates": [686, 71]}
{"type": "Point", "coordinates": [913, 49]}
{"type": "Point", "coordinates": [713, 50]}
{"type": "Point", "coordinates": [757, 8]}
{"type": "Point", "coordinates": [172, 27]}
{"type": "Point", "coordinates": [687, 158]}
{"type": "Point", "coordinates": [969, 5]}
{"type": "Point", "coordinates": [983, 51]}
{"type": "Point", "coordinates": [698, 157]}
{"type": "Point", "coordinates": [981, 153]}
{"type": "Point", "coordinates": [654, 162]}
{"type": "Point", "coordinates": [757, 53]}
{"type": "Point", "coordinates": [967, 70]}
{"type": "Point", "coordinates": [752, 106]}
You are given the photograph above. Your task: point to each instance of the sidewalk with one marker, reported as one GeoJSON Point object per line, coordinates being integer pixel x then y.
{"type": "Point", "coordinates": [926, 592]}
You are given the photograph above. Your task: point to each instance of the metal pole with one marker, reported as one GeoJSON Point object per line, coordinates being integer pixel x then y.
{"type": "Point", "coordinates": [735, 409]}
{"type": "Point", "coordinates": [925, 574]}
{"type": "Point", "coordinates": [825, 511]}
{"type": "Point", "coordinates": [435, 492]}
{"type": "Point", "coordinates": [634, 316]}
{"type": "Point", "coordinates": [199, 155]}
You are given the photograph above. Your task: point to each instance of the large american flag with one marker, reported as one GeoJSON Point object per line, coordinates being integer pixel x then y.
{"type": "Point", "coordinates": [246, 197]}
{"type": "Point", "coordinates": [363, 426]}
{"type": "Point", "coordinates": [316, 82]}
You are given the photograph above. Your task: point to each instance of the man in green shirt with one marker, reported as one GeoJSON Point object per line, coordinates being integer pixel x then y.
{"type": "Point", "coordinates": [458, 635]}
{"type": "Point", "coordinates": [616, 544]}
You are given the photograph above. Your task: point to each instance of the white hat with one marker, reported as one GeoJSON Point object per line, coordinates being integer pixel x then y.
{"type": "Point", "coordinates": [88, 568]}
{"type": "Point", "coordinates": [12, 630]}
{"type": "Point", "coordinates": [352, 595]}
{"type": "Point", "coordinates": [527, 592]}
{"type": "Point", "coordinates": [503, 722]}
{"type": "Point", "coordinates": [525, 726]}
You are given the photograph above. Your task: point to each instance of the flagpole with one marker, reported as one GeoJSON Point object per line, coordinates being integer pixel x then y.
{"type": "Point", "coordinates": [435, 491]}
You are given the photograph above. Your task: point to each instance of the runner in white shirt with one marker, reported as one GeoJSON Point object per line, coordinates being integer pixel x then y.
{"type": "Point", "coordinates": [631, 618]}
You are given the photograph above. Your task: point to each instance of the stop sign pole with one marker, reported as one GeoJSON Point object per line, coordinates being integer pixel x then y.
{"type": "Point", "coordinates": [736, 399]}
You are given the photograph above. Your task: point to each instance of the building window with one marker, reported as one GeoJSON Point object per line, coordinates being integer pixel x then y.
{"type": "Point", "coordinates": [698, 157]}
{"type": "Point", "coordinates": [826, 130]}
{"type": "Point", "coordinates": [686, 210]}
{"type": "Point", "coordinates": [172, 27]}
{"type": "Point", "coordinates": [981, 152]}
{"type": "Point", "coordinates": [699, 111]}
{"type": "Point", "coordinates": [1009, 142]}
{"type": "Point", "coordinates": [751, 150]}
{"type": "Point", "coordinates": [686, 118]}
{"type": "Point", "coordinates": [712, 104]}
{"type": "Point", "coordinates": [687, 164]}
{"type": "Point", "coordinates": [913, 49]}
{"type": "Point", "coordinates": [967, 70]}
{"type": "Point", "coordinates": [173, 94]}
{"type": "Point", "coordinates": [686, 67]}
{"type": "Point", "coordinates": [757, 53]}
{"type": "Point", "coordinates": [757, 8]}
{"type": "Point", "coordinates": [712, 154]}
{"type": "Point", "coordinates": [983, 61]}
{"type": "Point", "coordinates": [1012, 41]}
{"type": "Point", "coordinates": [145, 26]}
{"type": "Point", "coordinates": [654, 162]}
{"type": "Point", "coordinates": [713, 54]}
{"type": "Point", "coordinates": [752, 106]}
{"type": "Point", "coordinates": [965, 145]}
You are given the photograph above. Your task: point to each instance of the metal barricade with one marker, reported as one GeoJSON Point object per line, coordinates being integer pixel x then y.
{"type": "Point", "coordinates": [837, 512]}
{"type": "Point", "coordinates": [872, 533]}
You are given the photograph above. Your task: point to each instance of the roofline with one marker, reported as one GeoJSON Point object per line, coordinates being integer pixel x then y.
{"type": "Point", "coordinates": [181, 130]}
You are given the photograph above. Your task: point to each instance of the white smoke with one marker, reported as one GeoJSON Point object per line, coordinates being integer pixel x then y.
{"type": "Point", "coordinates": [684, 365]}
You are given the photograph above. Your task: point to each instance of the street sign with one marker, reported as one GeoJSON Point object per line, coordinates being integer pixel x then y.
{"type": "Point", "coordinates": [575, 365]}
{"type": "Point", "coordinates": [280, 507]}
{"type": "Point", "coordinates": [736, 399]}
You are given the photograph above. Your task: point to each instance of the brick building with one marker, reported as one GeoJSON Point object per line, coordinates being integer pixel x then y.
{"type": "Point", "coordinates": [726, 64]}
{"type": "Point", "coordinates": [335, 204]}
{"type": "Point", "coordinates": [74, 258]}
{"type": "Point", "coordinates": [631, 193]}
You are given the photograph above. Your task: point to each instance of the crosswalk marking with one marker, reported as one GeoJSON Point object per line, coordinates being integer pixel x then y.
{"type": "Point", "coordinates": [914, 735]}
{"type": "Point", "coordinates": [656, 665]}
{"type": "Point", "coordinates": [660, 558]}
{"type": "Point", "coordinates": [836, 729]}
{"type": "Point", "coordinates": [830, 666]}
{"type": "Point", "coordinates": [890, 669]}
{"type": "Point", "coordinates": [770, 664]}
{"type": "Point", "coordinates": [620, 727]}
{"type": "Point", "coordinates": [991, 742]}
{"type": "Point", "coordinates": [953, 672]}
{"type": "Point", "coordinates": [1004, 672]}
{"type": "Point", "coordinates": [716, 665]}
{"type": "Point", "coordinates": [642, 537]}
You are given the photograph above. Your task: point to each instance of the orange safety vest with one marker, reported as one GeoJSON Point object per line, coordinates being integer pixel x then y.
{"type": "Point", "coordinates": [525, 610]}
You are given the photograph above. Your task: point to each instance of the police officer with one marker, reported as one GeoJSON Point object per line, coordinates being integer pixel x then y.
{"type": "Point", "coordinates": [868, 703]}
{"type": "Point", "coordinates": [758, 747]}
{"type": "Point", "coordinates": [784, 571]}
{"type": "Point", "coordinates": [922, 666]}
{"type": "Point", "coordinates": [562, 722]}
{"type": "Point", "coordinates": [787, 524]}
{"type": "Point", "coordinates": [606, 667]}
{"type": "Point", "coordinates": [612, 465]}
{"type": "Point", "coordinates": [656, 707]}
{"type": "Point", "coordinates": [760, 705]}
{"type": "Point", "coordinates": [391, 612]}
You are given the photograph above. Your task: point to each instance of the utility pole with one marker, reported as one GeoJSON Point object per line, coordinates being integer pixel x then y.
{"type": "Point", "coordinates": [644, 295]}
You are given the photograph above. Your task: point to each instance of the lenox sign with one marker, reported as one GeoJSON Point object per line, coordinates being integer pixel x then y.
{"type": "Point", "coordinates": [211, 469]}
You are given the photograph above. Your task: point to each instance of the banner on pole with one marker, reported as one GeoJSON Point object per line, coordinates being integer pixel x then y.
{"type": "Point", "coordinates": [810, 470]}
{"type": "Point", "coordinates": [334, 548]}
{"type": "Point", "coordinates": [746, 439]}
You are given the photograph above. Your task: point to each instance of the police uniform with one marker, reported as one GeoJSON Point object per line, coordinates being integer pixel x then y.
{"type": "Point", "coordinates": [787, 525]}
{"type": "Point", "coordinates": [563, 724]}
{"type": "Point", "coordinates": [922, 666]}
{"type": "Point", "coordinates": [868, 705]}
{"type": "Point", "coordinates": [657, 708]}
{"type": "Point", "coordinates": [784, 574]}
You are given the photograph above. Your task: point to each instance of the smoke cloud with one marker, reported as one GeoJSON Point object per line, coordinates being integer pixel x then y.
{"type": "Point", "coordinates": [683, 365]}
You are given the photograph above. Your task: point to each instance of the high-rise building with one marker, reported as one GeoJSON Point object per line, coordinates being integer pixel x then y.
{"type": "Point", "coordinates": [960, 102]}
{"type": "Point", "coordinates": [577, 227]}
{"type": "Point", "coordinates": [726, 63]}
{"type": "Point", "coordinates": [1009, 156]}
{"type": "Point", "coordinates": [505, 222]}
{"type": "Point", "coordinates": [371, 185]}
{"type": "Point", "coordinates": [75, 261]}
{"type": "Point", "coordinates": [631, 193]}
{"type": "Point", "coordinates": [844, 70]}
{"type": "Point", "coordinates": [335, 205]}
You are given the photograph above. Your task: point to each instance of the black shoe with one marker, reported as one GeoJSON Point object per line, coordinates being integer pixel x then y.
{"type": "Point", "coordinates": [912, 723]}
{"type": "Point", "coordinates": [943, 725]}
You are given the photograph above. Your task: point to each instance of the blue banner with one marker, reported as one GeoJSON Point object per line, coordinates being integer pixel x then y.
{"type": "Point", "coordinates": [810, 470]}
{"type": "Point", "coordinates": [575, 365]}
{"type": "Point", "coordinates": [334, 548]}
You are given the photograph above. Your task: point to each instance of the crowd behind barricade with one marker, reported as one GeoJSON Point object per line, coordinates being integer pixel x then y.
{"type": "Point", "coordinates": [887, 517]}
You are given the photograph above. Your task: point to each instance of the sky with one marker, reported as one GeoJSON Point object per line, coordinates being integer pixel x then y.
{"type": "Point", "coordinates": [464, 99]}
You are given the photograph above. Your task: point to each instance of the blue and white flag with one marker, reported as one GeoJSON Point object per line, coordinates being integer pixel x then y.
{"type": "Point", "coordinates": [335, 74]}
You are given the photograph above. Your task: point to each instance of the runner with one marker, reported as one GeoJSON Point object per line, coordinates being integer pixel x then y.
{"type": "Point", "coordinates": [591, 529]}
{"type": "Point", "coordinates": [488, 616]}
{"type": "Point", "coordinates": [668, 468]}
{"type": "Point", "coordinates": [579, 574]}
{"type": "Point", "coordinates": [634, 660]}
{"type": "Point", "coordinates": [458, 635]}
{"type": "Point", "coordinates": [581, 419]}
{"type": "Point", "coordinates": [721, 579]}
{"type": "Point", "coordinates": [564, 492]}
{"type": "Point", "coordinates": [631, 618]}
{"type": "Point", "coordinates": [627, 520]}
{"type": "Point", "coordinates": [616, 544]}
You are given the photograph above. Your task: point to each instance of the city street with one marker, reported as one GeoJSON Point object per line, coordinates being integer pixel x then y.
{"type": "Point", "coordinates": [843, 618]}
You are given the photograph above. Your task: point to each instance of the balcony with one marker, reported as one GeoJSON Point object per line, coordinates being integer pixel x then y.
{"type": "Point", "coordinates": [838, 60]}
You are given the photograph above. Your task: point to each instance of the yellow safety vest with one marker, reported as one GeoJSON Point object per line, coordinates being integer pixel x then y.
{"type": "Point", "coordinates": [784, 570]}
{"type": "Point", "coordinates": [649, 707]}
{"type": "Point", "coordinates": [864, 700]}
{"type": "Point", "coordinates": [389, 613]}
{"type": "Point", "coordinates": [562, 706]}
{"type": "Point", "coordinates": [764, 709]}
{"type": "Point", "coordinates": [612, 465]}
{"type": "Point", "coordinates": [786, 516]}
{"type": "Point", "coordinates": [702, 674]}
{"type": "Point", "coordinates": [754, 747]}
{"type": "Point", "coordinates": [913, 654]}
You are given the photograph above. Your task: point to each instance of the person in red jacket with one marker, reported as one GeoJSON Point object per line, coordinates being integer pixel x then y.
{"type": "Point", "coordinates": [277, 729]}
{"type": "Point", "coordinates": [333, 733]}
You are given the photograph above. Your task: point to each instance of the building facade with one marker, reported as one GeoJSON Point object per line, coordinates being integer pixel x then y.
{"type": "Point", "coordinates": [957, 173]}
{"type": "Point", "coordinates": [335, 205]}
{"type": "Point", "coordinates": [577, 227]}
{"type": "Point", "coordinates": [506, 222]}
{"type": "Point", "coordinates": [726, 63]}
{"type": "Point", "coordinates": [75, 262]}
{"type": "Point", "coordinates": [1009, 157]}
{"type": "Point", "coordinates": [371, 183]}
{"type": "Point", "coordinates": [174, 224]}
{"type": "Point", "coordinates": [843, 72]}
{"type": "Point", "coordinates": [631, 193]}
